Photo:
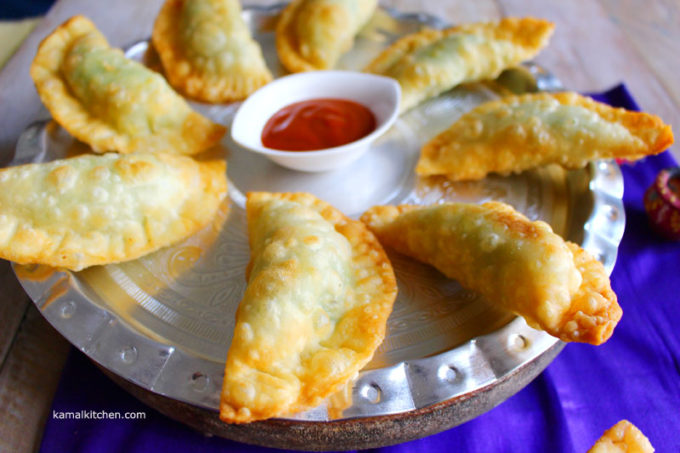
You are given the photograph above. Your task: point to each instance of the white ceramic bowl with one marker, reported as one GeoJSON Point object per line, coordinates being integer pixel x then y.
{"type": "Point", "coordinates": [380, 94]}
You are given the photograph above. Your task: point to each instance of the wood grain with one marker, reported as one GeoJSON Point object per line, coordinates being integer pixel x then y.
{"type": "Point", "coordinates": [13, 307]}
{"type": "Point", "coordinates": [597, 44]}
{"type": "Point", "coordinates": [28, 379]}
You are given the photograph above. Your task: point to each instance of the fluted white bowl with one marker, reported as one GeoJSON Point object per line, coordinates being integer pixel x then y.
{"type": "Point", "coordinates": [379, 94]}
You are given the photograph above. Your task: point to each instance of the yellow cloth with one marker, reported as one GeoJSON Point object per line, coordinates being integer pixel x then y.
{"type": "Point", "coordinates": [12, 34]}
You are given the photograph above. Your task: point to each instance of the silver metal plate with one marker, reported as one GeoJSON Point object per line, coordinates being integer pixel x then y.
{"type": "Point", "coordinates": [164, 321]}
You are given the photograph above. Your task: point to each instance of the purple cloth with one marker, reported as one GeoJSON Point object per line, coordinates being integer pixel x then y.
{"type": "Point", "coordinates": [587, 389]}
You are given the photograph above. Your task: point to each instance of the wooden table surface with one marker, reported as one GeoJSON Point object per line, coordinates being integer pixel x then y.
{"type": "Point", "coordinates": [597, 44]}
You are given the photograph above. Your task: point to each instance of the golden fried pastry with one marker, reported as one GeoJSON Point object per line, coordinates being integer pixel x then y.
{"type": "Point", "coordinates": [99, 209]}
{"type": "Point", "coordinates": [431, 62]}
{"type": "Point", "coordinates": [313, 34]}
{"type": "Point", "coordinates": [113, 103]}
{"type": "Point", "coordinates": [514, 263]}
{"type": "Point", "coordinates": [207, 51]}
{"type": "Point", "coordinates": [517, 133]}
{"type": "Point", "coordinates": [320, 289]}
{"type": "Point", "coordinates": [624, 437]}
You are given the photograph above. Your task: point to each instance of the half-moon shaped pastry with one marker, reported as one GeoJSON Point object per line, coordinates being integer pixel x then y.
{"type": "Point", "coordinates": [516, 264]}
{"type": "Point", "coordinates": [517, 133]}
{"type": "Point", "coordinates": [320, 290]}
{"type": "Point", "coordinates": [624, 437]}
{"type": "Point", "coordinates": [100, 209]}
{"type": "Point", "coordinates": [313, 34]}
{"type": "Point", "coordinates": [113, 103]}
{"type": "Point", "coordinates": [431, 62]}
{"type": "Point", "coordinates": [207, 51]}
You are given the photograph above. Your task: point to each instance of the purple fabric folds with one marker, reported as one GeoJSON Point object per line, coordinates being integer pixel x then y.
{"type": "Point", "coordinates": [587, 389]}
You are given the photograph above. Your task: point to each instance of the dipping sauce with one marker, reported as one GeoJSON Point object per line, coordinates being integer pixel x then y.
{"type": "Point", "coordinates": [317, 124]}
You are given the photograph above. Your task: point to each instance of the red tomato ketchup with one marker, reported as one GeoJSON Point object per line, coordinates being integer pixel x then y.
{"type": "Point", "coordinates": [317, 124]}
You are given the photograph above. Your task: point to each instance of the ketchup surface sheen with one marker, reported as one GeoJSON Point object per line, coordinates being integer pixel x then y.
{"type": "Point", "coordinates": [317, 124]}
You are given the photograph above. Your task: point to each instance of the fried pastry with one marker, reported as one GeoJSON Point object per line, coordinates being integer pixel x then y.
{"type": "Point", "coordinates": [624, 437]}
{"type": "Point", "coordinates": [113, 103]}
{"type": "Point", "coordinates": [99, 209]}
{"type": "Point", "coordinates": [207, 51]}
{"type": "Point", "coordinates": [517, 133]}
{"type": "Point", "coordinates": [516, 264]}
{"type": "Point", "coordinates": [431, 62]}
{"type": "Point", "coordinates": [313, 34]}
{"type": "Point", "coordinates": [320, 290]}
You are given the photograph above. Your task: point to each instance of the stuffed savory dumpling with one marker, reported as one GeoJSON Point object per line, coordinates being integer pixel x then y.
{"type": "Point", "coordinates": [430, 62]}
{"type": "Point", "coordinates": [100, 209]}
{"type": "Point", "coordinates": [313, 34]}
{"type": "Point", "coordinates": [113, 103]}
{"type": "Point", "coordinates": [516, 264]}
{"type": "Point", "coordinates": [207, 51]}
{"type": "Point", "coordinates": [517, 133]}
{"type": "Point", "coordinates": [320, 290]}
{"type": "Point", "coordinates": [624, 437]}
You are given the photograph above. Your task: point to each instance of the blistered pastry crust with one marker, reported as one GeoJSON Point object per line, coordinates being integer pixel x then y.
{"type": "Point", "coordinates": [517, 133]}
{"type": "Point", "coordinates": [320, 290]}
{"type": "Point", "coordinates": [229, 64]}
{"type": "Point", "coordinates": [514, 263]}
{"type": "Point", "coordinates": [624, 437]}
{"type": "Point", "coordinates": [136, 112]}
{"type": "Point", "coordinates": [431, 61]}
{"type": "Point", "coordinates": [311, 35]}
{"type": "Point", "coordinates": [100, 209]}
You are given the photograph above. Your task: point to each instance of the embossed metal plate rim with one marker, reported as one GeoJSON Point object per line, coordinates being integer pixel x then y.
{"type": "Point", "coordinates": [409, 385]}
